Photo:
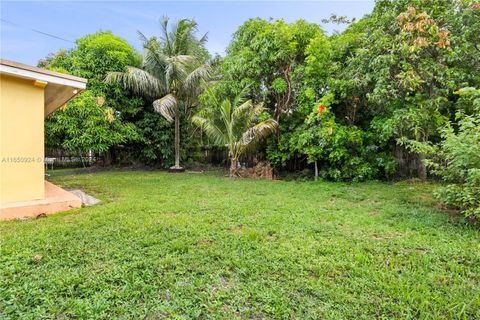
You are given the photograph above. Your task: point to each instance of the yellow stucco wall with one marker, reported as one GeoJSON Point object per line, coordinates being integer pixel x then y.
{"type": "Point", "coordinates": [21, 140]}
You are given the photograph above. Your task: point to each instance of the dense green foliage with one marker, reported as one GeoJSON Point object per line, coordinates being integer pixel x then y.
{"type": "Point", "coordinates": [386, 86]}
{"type": "Point", "coordinates": [84, 125]}
{"type": "Point", "coordinates": [457, 158]}
{"type": "Point", "coordinates": [79, 127]}
{"type": "Point", "coordinates": [265, 55]}
{"type": "Point", "coordinates": [204, 246]}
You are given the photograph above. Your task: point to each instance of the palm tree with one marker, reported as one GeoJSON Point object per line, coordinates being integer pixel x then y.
{"type": "Point", "coordinates": [171, 73]}
{"type": "Point", "coordinates": [234, 125]}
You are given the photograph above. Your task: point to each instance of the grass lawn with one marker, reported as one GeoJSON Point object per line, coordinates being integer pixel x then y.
{"type": "Point", "coordinates": [202, 246]}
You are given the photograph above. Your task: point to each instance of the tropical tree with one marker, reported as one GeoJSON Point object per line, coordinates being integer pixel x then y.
{"type": "Point", "coordinates": [170, 74]}
{"type": "Point", "coordinates": [235, 124]}
{"type": "Point", "coordinates": [87, 124]}
{"type": "Point", "coordinates": [265, 54]}
{"type": "Point", "coordinates": [93, 56]}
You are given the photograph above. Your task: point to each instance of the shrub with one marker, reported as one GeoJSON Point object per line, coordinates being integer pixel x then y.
{"type": "Point", "coordinates": [457, 159]}
{"type": "Point", "coordinates": [341, 152]}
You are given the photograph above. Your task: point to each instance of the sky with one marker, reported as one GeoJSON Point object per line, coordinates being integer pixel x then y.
{"type": "Point", "coordinates": [71, 20]}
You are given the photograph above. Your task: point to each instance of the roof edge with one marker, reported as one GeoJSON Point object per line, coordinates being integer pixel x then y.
{"type": "Point", "coordinates": [26, 67]}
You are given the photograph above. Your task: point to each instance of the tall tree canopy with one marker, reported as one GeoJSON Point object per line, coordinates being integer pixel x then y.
{"type": "Point", "coordinates": [397, 71]}
{"type": "Point", "coordinates": [264, 55]}
{"type": "Point", "coordinates": [93, 57]}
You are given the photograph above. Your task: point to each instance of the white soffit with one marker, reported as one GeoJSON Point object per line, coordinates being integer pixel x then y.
{"type": "Point", "coordinates": [33, 73]}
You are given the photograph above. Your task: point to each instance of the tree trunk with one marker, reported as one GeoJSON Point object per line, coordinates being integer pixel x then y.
{"type": "Point", "coordinates": [316, 170]}
{"type": "Point", "coordinates": [177, 137]}
{"type": "Point", "coordinates": [90, 157]}
{"type": "Point", "coordinates": [107, 158]}
{"type": "Point", "coordinates": [422, 169]}
{"type": "Point", "coordinates": [81, 158]}
{"type": "Point", "coordinates": [233, 167]}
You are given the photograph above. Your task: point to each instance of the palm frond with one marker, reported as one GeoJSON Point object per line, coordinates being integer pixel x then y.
{"type": "Point", "coordinates": [210, 93]}
{"type": "Point", "coordinates": [184, 35]}
{"type": "Point", "coordinates": [203, 39]}
{"type": "Point", "coordinates": [184, 59]}
{"type": "Point", "coordinates": [139, 81]}
{"type": "Point", "coordinates": [241, 96]}
{"type": "Point", "coordinates": [166, 35]}
{"type": "Point", "coordinates": [142, 37]}
{"type": "Point", "coordinates": [252, 116]}
{"type": "Point", "coordinates": [175, 74]}
{"type": "Point", "coordinates": [256, 133]}
{"type": "Point", "coordinates": [211, 130]}
{"type": "Point", "coordinates": [226, 116]}
{"type": "Point", "coordinates": [197, 76]}
{"type": "Point", "coordinates": [242, 109]}
{"type": "Point", "coordinates": [166, 106]}
{"type": "Point", "coordinates": [154, 59]}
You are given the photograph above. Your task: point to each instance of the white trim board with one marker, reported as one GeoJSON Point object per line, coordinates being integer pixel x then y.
{"type": "Point", "coordinates": [27, 74]}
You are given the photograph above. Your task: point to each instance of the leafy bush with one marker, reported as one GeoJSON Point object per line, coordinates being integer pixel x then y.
{"type": "Point", "coordinates": [341, 152]}
{"type": "Point", "coordinates": [457, 158]}
{"type": "Point", "coordinates": [102, 119]}
{"type": "Point", "coordinates": [155, 144]}
{"type": "Point", "coordinates": [85, 125]}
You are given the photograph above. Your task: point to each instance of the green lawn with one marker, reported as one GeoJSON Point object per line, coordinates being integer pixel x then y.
{"type": "Point", "coordinates": [202, 246]}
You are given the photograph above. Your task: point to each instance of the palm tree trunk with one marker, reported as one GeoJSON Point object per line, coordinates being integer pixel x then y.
{"type": "Point", "coordinates": [177, 138]}
{"type": "Point", "coordinates": [233, 167]}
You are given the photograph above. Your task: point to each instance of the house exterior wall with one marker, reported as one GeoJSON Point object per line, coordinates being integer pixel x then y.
{"type": "Point", "coordinates": [21, 140]}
